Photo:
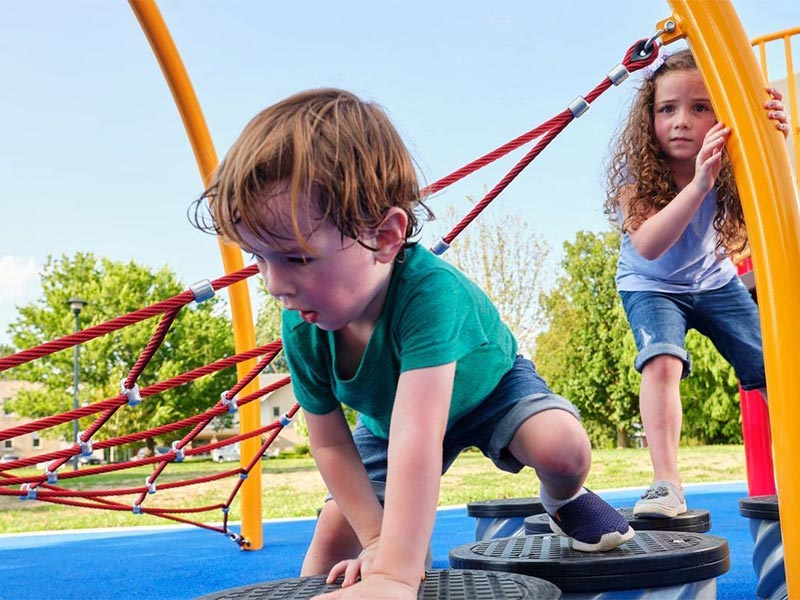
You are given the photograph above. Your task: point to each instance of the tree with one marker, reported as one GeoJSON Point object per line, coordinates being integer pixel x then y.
{"type": "Point", "coordinates": [711, 408]}
{"type": "Point", "coordinates": [509, 262]}
{"type": "Point", "coordinates": [199, 335]}
{"type": "Point", "coordinates": [587, 352]}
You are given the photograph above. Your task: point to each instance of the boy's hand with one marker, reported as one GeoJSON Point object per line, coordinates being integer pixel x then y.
{"type": "Point", "coordinates": [376, 587]}
{"type": "Point", "coordinates": [777, 112]}
{"type": "Point", "coordinates": [355, 567]}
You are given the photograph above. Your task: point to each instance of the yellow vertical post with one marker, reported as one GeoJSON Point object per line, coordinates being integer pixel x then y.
{"type": "Point", "coordinates": [158, 35]}
{"type": "Point", "coordinates": [772, 212]}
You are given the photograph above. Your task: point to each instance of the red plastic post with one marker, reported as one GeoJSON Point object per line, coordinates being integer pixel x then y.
{"type": "Point", "coordinates": [756, 433]}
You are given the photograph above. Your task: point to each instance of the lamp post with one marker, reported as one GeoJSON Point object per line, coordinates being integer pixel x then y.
{"type": "Point", "coordinates": [76, 304]}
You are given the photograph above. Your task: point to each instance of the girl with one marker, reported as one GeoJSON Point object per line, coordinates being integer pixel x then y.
{"type": "Point", "coordinates": [671, 188]}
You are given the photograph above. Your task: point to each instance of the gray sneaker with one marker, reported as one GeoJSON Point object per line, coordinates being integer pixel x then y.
{"type": "Point", "coordinates": [661, 500]}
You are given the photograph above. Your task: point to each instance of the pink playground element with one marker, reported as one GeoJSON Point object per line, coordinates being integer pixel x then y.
{"type": "Point", "coordinates": [756, 433]}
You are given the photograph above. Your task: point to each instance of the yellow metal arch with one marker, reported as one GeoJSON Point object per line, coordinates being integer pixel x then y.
{"type": "Point", "coordinates": [772, 213]}
{"type": "Point", "coordinates": [244, 338]}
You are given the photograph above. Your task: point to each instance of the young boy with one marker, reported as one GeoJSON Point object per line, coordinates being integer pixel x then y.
{"type": "Point", "coordinates": [322, 191]}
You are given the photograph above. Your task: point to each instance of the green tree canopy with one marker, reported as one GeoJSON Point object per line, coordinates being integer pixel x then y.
{"type": "Point", "coordinates": [199, 335]}
{"type": "Point", "coordinates": [508, 260]}
{"type": "Point", "coordinates": [587, 353]}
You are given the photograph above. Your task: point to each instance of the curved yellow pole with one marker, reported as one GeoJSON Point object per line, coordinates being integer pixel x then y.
{"type": "Point", "coordinates": [772, 212]}
{"type": "Point", "coordinates": [175, 74]}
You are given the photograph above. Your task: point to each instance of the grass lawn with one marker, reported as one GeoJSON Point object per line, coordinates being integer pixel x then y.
{"type": "Point", "coordinates": [293, 488]}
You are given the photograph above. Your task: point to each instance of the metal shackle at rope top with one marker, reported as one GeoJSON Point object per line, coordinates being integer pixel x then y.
{"type": "Point", "coordinates": [645, 51]}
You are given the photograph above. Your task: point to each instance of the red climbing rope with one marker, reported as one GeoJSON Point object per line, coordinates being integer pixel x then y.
{"type": "Point", "coordinates": [638, 56]}
{"type": "Point", "coordinates": [45, 487]}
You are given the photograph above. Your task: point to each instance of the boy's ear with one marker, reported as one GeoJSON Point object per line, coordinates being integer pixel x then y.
{"type": "Point", "coordinates": [391, 234]}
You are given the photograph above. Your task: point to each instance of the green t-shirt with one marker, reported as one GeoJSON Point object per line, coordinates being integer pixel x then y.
{"type": "Point", "coordinates": [433, 315]}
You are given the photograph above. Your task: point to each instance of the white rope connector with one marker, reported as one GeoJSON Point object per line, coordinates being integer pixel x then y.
{"type": "Point", "coordinates": [30, 492]}
{"type": "Point", "coordinates": [52, 476]}
{"type": "Point", "coordinates": [578, 106]}
{"type": "Point", "coordinates": [285, 420]}
{"type": "Point", "coordinates": [202, 290]}
{"type": "Point", "coordinates": [179, 452]}
{"type": "Point", "coordinates": [133, 395]}
{"type": "Point", "coordinates": [86, 447]}
{"type": "Point", "coordinates": [618, 74]}
{"type": "Point", "coordinates": [229, 402]}
{"type": "Point", "coordinates": [151, 486]}
{"type": "Point", "coordinates": [440, 247]}
{"type": "Point", "coordinates": [137, 508]}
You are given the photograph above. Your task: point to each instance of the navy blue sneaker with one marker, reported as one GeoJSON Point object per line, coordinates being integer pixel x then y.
{"type": "Point", "coordinates": [592, 523]}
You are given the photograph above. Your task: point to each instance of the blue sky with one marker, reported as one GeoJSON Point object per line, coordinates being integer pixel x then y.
{"type": "Point", "coordinates": [93, 156]}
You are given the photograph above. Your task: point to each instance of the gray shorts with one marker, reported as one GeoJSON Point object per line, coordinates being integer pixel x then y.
{"type": "Point", "coordinates": [520, 394]}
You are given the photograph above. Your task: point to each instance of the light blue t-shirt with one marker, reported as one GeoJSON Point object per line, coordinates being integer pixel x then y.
{"type": "Point", "coordinates": [691, 265]}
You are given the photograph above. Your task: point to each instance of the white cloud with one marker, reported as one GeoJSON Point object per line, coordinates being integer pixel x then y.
{"type": "Point", "coordinates": [19, 278]}
{"type": "Point", "coordinates": [19, 284]}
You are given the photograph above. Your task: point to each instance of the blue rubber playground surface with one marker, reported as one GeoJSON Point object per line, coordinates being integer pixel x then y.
{"type": "Point", "coordinates": [184, 562]}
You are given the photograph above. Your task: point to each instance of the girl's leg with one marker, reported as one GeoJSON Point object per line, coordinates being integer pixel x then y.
{"type": "Point", "coordinates": [334, 540]}
{"type": "Point", "coordinates": [661, 411]}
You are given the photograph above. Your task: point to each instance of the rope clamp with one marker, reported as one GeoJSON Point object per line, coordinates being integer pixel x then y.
{"type": "Point", "coordinates": [86, 447]}
{"type": "Point", "coordinates": [133, 395]}
{"type": "Point", "coordinates": [52, 476]}
{"type": "Point", "coordinates": [229, 402]}
{"type": "Point", "coordinates": [241, 541]}
{"type": "Point", "coordinates": [30, 491]}
{"type": "Point", "coordinates": [440, 247]}
{"type": "Point", "coordinates": [578, 106]}
{"type": "Point", "coordinates": [150, 485]}
{"type": "Point", "coordinates": [179, 452]}
{"type": "Point", "coordinates": [202, 290]}
{"type": "Point", "coordinates": [225, 510]}
{"type": "Point", "coordinates": [137, 508]}
{"type": "Point", "coordinates": [285, 420]}
{"type": "Point", "coordinates": [243, 475]}
{"type": "Point", "coordinates": [618, 74]}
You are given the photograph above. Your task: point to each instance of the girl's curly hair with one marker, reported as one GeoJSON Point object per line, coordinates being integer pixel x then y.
{"type": "Point", "coordinates": [638, 161]}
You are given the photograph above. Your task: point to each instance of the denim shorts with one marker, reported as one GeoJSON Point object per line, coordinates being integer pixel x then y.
{"type": "Point", "coordinates": [727, 316]}
{"type": "Point", "coordinates": [490, 427]}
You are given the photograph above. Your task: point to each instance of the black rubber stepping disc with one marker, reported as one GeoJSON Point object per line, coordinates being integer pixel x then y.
{"type": "Point", "coordinates": [506, 507]}
{"type": "Point", "coordinates": [760, 507]}
{"type": "Point", "coordinates": [651, 559]}
{"type": "Point", "coordinates": [693, 520]}
{"type": "Point", "coordinates": [438, 585]}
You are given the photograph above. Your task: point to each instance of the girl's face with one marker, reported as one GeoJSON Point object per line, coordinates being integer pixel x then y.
{"type": "Point", "coordinates": [682, 115]}
{"type": "Point", "coordinates": [336, 283]}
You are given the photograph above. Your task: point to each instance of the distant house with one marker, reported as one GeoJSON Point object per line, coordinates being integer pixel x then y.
{"type": "Point", "coordinates": [28, 444]}
{"type": "Point", "coordinates": [273, 406]}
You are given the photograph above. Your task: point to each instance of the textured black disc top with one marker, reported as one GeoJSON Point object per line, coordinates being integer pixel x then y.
{"type": "Point", "coordinates": [438, 585]}
{"type": "Point", "coordinates": [650, 559]}
{"type": "Point", "coordinates": [760, 507]}
{"type": "Point", "coordinates": [506, 507]}
{"type": "Point", "coordinates": [694, 520]}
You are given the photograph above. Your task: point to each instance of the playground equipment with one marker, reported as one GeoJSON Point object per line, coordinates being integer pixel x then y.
{"type": "Point", "coordinates": [770, 206]}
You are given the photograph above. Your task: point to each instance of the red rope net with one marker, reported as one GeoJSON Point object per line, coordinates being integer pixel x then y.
{"type": "Point", "coordinates": [46, 487]}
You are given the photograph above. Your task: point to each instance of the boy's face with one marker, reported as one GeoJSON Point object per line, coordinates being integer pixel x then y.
{"type": "Point", "coordinates": [338, 283]}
